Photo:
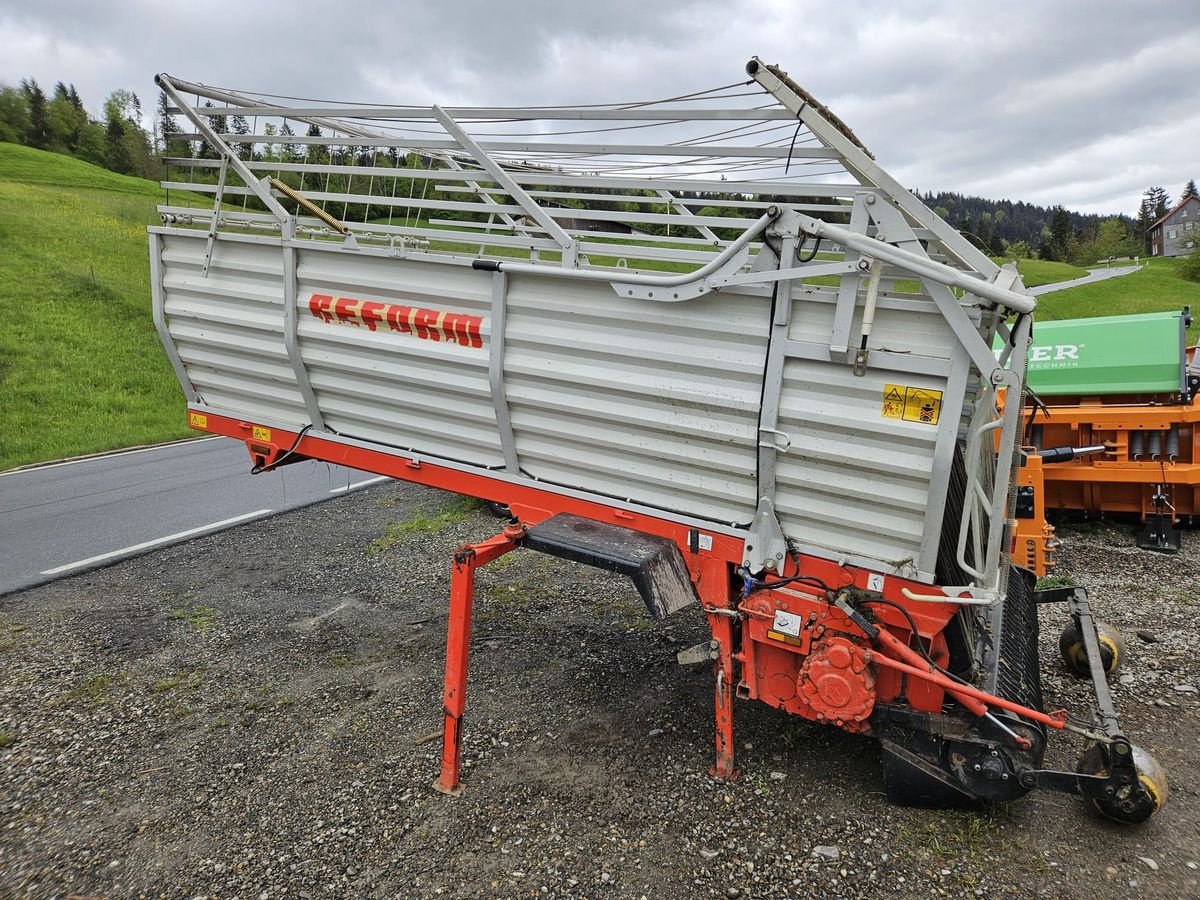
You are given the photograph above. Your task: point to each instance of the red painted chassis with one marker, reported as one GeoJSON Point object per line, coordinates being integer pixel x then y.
{"type": "Point", "coordinates": [751, 658]}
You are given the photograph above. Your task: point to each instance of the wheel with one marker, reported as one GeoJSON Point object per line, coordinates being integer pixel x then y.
{"type": "Point", "coordinates": [1074, 652]}
{"type": "Point", "coordinates": [1129, 804]}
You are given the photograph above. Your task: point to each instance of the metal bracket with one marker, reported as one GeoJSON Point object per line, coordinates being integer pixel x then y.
{"type": "Point", "coordinates": [708, 651]}
{"type": "Point", "coordinates": [765, 546]}
{"type": "Point", "coordinates": [782, 445]}
{"type": "Point", "coordinates": [693, 289]}
{"type": "Point", "coordinates": [508, 444]}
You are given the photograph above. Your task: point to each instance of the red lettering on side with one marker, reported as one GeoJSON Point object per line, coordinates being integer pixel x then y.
{"type": "Point", "coordinates": [399, 318]}
{"type": "Point", "coordinates": [453, 328]}
{"type": "Point", "coordinates": [425, 324]}
{"type": "Point", "coordinates": [319, 305]}
{"type": "Point", "coordinates": [474, 333]}
{"type": "Point", "coordinates": [372, 313]}
{"type": "Point", "coordinates": [462, 329]}
{"type": "Point", "coordinates": [346, 309]}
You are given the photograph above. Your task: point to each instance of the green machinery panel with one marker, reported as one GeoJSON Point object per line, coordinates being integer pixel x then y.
{"type": "Point", "coordinates": [1139, 354]}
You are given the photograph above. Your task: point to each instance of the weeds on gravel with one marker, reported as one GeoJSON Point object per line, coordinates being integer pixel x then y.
{"type": "Point", "coordinates": [761, 786]}
{"type": "Point", "coordinates": [198, 617]}
{"type": "Point", "coordinates": [6, 739]}
{"type": "Point", "coordinates": [424, 522]}
{"type": "Point", "coordinates": [94, 690]}
{"type": "Point", "coordinates": [188, 681]}
{"type": "Point", "coordinates": [960, 835]}
{"type": "Point", "coordinates": [9, 640]}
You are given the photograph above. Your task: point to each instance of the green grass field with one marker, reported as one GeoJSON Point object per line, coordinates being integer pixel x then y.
{"type": "Point", "coordinates": [1040, 271]}
{"type": "Point", "coordinates": [81, 367]}
{"type": "Point", "coordinates": [1157, 287]}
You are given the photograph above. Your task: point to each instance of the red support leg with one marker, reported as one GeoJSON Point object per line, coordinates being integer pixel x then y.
{"type": "Point", "coordinates": [458, 650]}
{"type": "Point", "coordinates": [722, 631]}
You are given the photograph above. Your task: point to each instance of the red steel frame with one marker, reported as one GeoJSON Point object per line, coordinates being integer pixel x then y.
{"type": "Point", "coordinates": [902, 670]}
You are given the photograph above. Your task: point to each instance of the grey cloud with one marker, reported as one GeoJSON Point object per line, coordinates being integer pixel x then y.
{"type": "Point", "coordinates": [1028, 100]}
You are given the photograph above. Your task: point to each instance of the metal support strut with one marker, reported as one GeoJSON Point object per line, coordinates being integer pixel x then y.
{"type": "Point", "coordinates": [722, 632]}
{"type": "Point", "coordinates": [458, 648]}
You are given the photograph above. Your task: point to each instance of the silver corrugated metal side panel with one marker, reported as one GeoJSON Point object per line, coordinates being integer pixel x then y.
{"type": "Point", "coordinates": [228, 325]}
{"type": "Point", "coordinates": [429, 396]}
{"type": "Point", "coordinates": [652, 402]}
{"type": "Point", "coordinates": [855, 480]}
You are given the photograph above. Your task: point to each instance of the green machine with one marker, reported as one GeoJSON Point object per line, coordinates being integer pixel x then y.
{"type": "Point", "coordinates": [1141, 354]}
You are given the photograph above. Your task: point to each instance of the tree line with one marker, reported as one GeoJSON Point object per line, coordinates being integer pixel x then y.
{"type": "Point", "coordinates": [60, 123]}
{"type": "Point", "coordinates": [118, 141]}
{"type": "Point", "coordinates": [1025, 230]}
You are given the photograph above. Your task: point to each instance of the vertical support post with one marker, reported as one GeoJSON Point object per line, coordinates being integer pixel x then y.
{"type": "Point", "coordinates": [458, 649]}
{"type": "Point", "coordinates": [722, 632]}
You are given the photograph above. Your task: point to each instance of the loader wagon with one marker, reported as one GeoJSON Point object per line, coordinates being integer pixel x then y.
{"type": "Point", "coordinates": [705, 341]}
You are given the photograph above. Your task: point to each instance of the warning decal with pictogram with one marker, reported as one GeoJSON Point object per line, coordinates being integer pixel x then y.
{"type": "Point", "coordinates": [912, 404]}
{"type": "Point", "coordinates": [893, 401]}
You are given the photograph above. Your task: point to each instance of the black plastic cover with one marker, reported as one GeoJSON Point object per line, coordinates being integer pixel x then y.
{"type": "Point", "coordinates": [654, 563]}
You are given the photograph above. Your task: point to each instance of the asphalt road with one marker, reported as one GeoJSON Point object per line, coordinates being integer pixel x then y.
{"type": "Point", "coordinates": [72, 516]}
{"type": "Point", "coordinates": [1093, 276]}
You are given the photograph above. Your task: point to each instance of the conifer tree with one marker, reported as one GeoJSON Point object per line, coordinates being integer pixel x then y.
{"type": "Point", "coordinates": [38, 134]}
{"type": "Point", "coordinates": [244, 149]}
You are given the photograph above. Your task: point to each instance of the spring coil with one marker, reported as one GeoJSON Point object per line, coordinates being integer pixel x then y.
{"type": "Point", "coordinates": [1173, 443]}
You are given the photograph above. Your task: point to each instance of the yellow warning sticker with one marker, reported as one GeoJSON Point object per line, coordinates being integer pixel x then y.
{"type": "Point", "coordinates": [262, 434]}
{"type": "Point", "coordinates": [893, 401]}
{"type": "Point", "coordinates": [912, 404]}
{"type": "Point", "coordinates": [197, 420]}
{"type": "Point", "coordinates": [922, 405]}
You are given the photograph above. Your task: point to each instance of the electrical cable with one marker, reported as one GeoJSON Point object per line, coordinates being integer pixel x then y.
{"type": "Point", "coordinates": [258, 470]}
{"type": "Point", "coordinates": [912, 624]}
{"type": "Point", "coordinates": [815, 250]}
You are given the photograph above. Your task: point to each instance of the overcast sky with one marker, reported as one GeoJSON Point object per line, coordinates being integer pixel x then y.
{"type": "Point", "coordinates": [1073, 102]}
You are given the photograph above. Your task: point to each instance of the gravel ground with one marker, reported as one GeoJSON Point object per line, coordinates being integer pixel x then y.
{"type": "Point", "coordinates": [249, 715]}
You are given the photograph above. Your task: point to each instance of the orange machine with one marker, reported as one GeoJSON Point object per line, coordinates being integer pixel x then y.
{"type": "Point", "coordinates": [1035, 545]}
{"type": "Point", "coordinates": [1123, 383]}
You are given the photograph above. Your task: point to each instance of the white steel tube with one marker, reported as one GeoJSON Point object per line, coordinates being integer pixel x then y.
{"type": "Point", "coordinates": [263, 193]}
{"type": "Point", "coordinates": [616, 277]}
{"type": "Point", "coordinates": [919, 265]}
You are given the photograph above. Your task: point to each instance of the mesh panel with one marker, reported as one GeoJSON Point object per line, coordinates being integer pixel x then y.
{"type": "Point", "coordinates": [1017, 674]}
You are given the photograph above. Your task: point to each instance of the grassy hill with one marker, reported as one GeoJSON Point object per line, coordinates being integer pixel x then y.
{"type": "Point", "coordinates": [1041, 271]}
{"type": "Point", "coordinates": [1157, 287]}
{"type": "Point", "coordinates": [81, 368]}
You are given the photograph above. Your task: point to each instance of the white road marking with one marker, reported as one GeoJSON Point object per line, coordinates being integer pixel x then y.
{"type": "Point", "coordinates": [358, 484]}
{"type": "Point", "coordinates": [156, 542]}
{"type": "Point", "coordinates": [82, 459]}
